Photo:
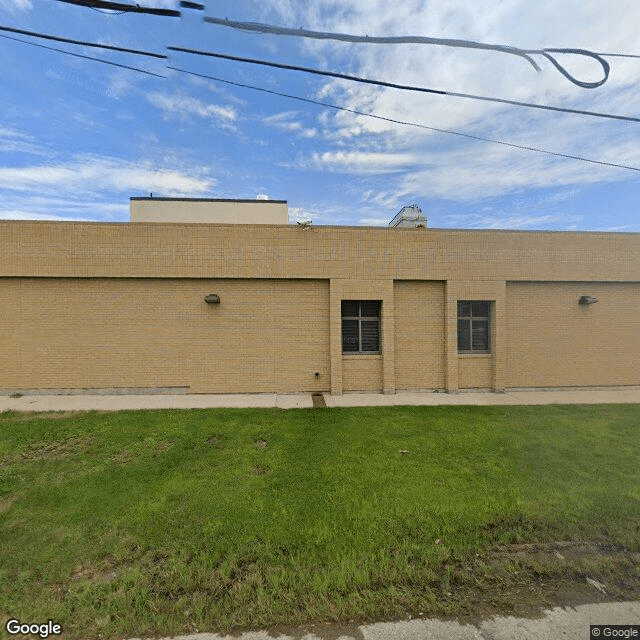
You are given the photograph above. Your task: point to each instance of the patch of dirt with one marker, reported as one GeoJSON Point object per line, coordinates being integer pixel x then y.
{"type": "Point", "coordinates": [54, 450]}
{"type": "Point", "coordinates": [5, 503]}
{"type": "Point", "coordinates": [122, 457]}
{"type": "Point", "coordinates": [521, 580]}
{"type": "Point", "coordinates": [163, 445]}
{"type": "Point", "coordinates": [260, 443]}
{"type": "Point", "coordinates": [517, 580]}
{"type": "Point", "coordinates": [104, 572]}
{"type": "Point", "coordinates": [259, 471]}
{"type": "Point", "coordinates": [524, 579]}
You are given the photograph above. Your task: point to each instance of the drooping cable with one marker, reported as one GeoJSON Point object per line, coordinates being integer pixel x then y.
{"type": "Point", "coordinates": [77, 55]}
{"type": "Point", "coordinates": [316, 102]}
{"type": "Point", "coordinates": [406, 123]}
{"type": "Point", "coordinates": [117, 6]}
{"type": "Point", "coordinates": [257, 27]}
{"type": "Point", "coordinates": [381, 83]}
{"type": "Point", "coordinates": [33, 34]}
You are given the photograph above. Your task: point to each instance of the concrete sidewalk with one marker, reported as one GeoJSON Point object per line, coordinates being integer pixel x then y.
{"type": "Point", "coordinates": [88, 402]}
{"type": "Point", "coordinates": [565, 623]}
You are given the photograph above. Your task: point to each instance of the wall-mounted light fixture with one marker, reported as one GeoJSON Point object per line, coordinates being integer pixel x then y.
{"type": "Point", "coordinates": [587, 300]}
{"type": "Point", "coordinates": [212, 298]}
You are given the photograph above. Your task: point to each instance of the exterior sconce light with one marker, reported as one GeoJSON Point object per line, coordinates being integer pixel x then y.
{"type": "Point", "coordinates": [212, 298]}
{"type": "Point", "coordinates": [587, 300]}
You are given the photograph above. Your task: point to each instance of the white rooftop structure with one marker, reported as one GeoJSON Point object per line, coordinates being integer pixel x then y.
{"type": "Point", "coordinates": [409, 216]}
{"type": "Point", "coordinates": [209, 210]}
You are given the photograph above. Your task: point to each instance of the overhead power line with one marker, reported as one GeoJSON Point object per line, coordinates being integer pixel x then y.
{"type": "Point", "coordinates": [316, 102]}
{"type": "Point", "coordinates": [404, 122]}
{"type": "Point", "coordinates": [77, 55]}
{"type": "Point", "coordinates": [619, 55]}
{"type": "Point", "coordinates": [117, 6]}
{"type": "Point", "coordinates": [33, 34]}
{"type": "Point", "coordinates": [342, 76]}
{"type": "Point", "coordinates": [307, 100]}
{"type": "Point", "coordinates": [258, 27]}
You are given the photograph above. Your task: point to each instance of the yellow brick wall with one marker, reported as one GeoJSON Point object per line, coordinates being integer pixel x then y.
{"type": "Point", "coordinates": [362, 373]}
{"type": "Point", "coordinates": [158, 250]}
{"type": "Point", "coordinates": [419, 335]}
{"type": "Point", "coordinates": [465, 371]}
{"type": "Point", "coordinates": [551, 340]}
{"type": "Point", "coordinates": [265, 335]}
{"type": "Point", "coordinates": [121, 305]}
{"type": "Point", "coordinates": [475, 371]}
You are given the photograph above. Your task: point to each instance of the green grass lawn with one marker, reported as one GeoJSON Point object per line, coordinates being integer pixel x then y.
{"type": "Point", "coordinates": [137, 523]}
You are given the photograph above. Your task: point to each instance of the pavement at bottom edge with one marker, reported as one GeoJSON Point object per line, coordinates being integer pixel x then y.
{"type": "Point", "coordinates": [556, 624]}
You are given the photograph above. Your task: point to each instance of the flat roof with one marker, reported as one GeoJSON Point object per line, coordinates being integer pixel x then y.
{"type": "Point", "coordinates": [386, 229]}
{"type": "Point", "coordinates": [206, 199]}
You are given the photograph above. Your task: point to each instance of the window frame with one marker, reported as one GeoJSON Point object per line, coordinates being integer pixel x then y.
{"type": "Point", "coordinates": [360, 318]}
{"type": "Point", "coordinates": [470, 319]}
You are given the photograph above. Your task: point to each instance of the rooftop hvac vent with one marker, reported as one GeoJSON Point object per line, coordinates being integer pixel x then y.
{"type": "Point", "coordinates": [262, 196]}
{"type": "Point", "coordinates": [409, 216]}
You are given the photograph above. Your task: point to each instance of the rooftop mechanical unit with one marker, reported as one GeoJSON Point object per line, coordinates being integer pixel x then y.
{"type": "Point", "coordinates": [409, 216]}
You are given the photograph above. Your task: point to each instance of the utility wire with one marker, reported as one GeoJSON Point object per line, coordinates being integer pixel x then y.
{"type": "Point", "coordinates": [303, 33]}
{"type": "Point", "coordinates": [403, 122]}
{"type": "Point", "coordinates": [284, 95]}
{"type": "Point", "coordinates": [117, 6]}
{"type": "Point", "coordinates": [619, 55]}
{"type": "Point", "coordinates": [77, 55]}
{"type": "Point", "coordinates": [81, 42]}
{"type": "Point", "coordinates": [402, 87]}
{"type": "Point", "coordinates": [447, 42]}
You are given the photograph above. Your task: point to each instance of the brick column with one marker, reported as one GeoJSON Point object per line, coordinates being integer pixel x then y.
{"type": "Point", "coordinates": [499, 338]}
{"type": "Point", "coordinates": [451, 336]}
{"type": "Point", "coordinates": [335, 336]}
{"type": "Point", "coordinates": [388, 341]}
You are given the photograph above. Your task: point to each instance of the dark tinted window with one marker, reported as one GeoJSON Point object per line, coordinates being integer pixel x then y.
{"type": "Point", "coordinates": [474, 317]}
{"type": "Point", "coordinates": [361, 326]}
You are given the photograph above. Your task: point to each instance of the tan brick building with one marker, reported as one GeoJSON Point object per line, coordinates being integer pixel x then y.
{"type": "Point", "coordinates": [122, 306]}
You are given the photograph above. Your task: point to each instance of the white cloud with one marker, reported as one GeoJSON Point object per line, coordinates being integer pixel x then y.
{"type": "Point", "coordinates": [440, 165]}
{"type": "Point", "coordinates": [374, 222]}
{"type": "Point", "coordinates": [8, 132]}
{"type": "Point", "coordinates": [182, 105]}
{"type": "Point", "coordinates": [500, 219]}
{"type": "Point", "coordinates": [326, 215]}
{"type": "Point", "coordinates": [363, 161]}
{"type": "Point", "coordinates": [285, 121]}
{"type": "Point", "coordinates": [14, 6]}
{"type": "Point", "coordinates": [31, 215]}
{"type": "Point", "coordinates": [94, 174]}
{"type": "Point", "coordinates": [27, 206]}
{"type": "Point", "coordinates": [16, 141]}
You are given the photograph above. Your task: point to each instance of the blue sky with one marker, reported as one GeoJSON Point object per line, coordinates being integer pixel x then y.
{"type": "Point", "coordinates": [78, 138]}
